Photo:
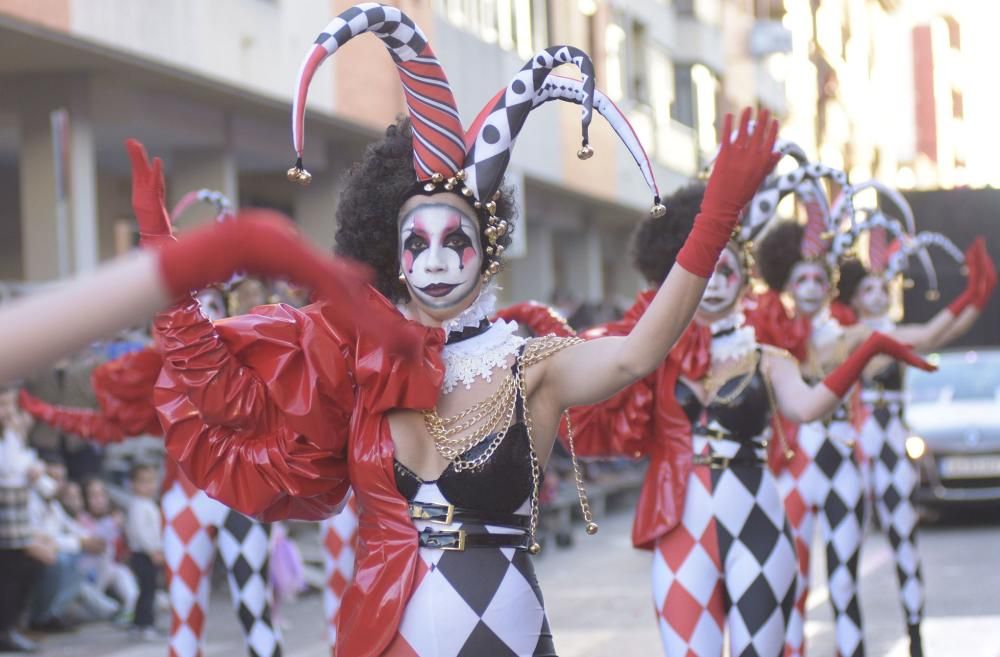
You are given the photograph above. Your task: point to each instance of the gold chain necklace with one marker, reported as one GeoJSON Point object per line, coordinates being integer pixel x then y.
{"type": "Point", "coordinates": [495, 414]}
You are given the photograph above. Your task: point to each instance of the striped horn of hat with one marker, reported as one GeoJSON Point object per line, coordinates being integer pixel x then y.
{"type": "Point", "coordinates": [805, 182]}
{"type": "Point", "coordinates": [438, 147]}
{"type": "Point", "coordinates": [223, 206]}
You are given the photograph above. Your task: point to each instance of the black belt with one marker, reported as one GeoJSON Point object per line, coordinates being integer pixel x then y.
{"type": "Point", "coordinates": [445, 514]}
{"type": "Point", "coordinates": [459, 540]}
{"type": "Point", "coordinates": [720, 462]}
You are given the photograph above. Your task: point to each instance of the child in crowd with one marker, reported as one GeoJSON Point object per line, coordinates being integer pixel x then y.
{"type": "Point", "coordinates": [105, 570]}
{"type": "Point", "coordinates": [144, 535]}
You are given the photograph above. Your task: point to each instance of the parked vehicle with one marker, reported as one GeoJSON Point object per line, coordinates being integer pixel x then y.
{"type": "Point", "coordinates": [954, 415]}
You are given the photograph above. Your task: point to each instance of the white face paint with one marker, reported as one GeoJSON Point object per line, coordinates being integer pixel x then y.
{"type": "Point", "coordinates": [725, 285]}
{"type": "Point", "coordinates": [871, 299]}
{"type": "Point", "coordinates": [212, 303]}
{"type": "Point", "coordinates": [440, 254]}
{"type": "Point", "coordinates": [809, 285]}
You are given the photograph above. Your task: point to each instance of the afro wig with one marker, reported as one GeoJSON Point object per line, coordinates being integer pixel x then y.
{"type": "Point", "coordinates": [852, 272]}
{"type": "Point", "coordinates": [778, 251]}
{"type": "Point", "coordinates": [656, 241]}
{"type": "Point", "coordinates": [368, 212]}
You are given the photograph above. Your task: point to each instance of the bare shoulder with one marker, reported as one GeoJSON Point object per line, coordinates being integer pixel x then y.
{"type": "Point", "coordinates": [541, 348]}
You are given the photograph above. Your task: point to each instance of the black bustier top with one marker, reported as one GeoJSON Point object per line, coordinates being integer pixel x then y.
{"type": "Point", "coordinates": [744, 418]}
{"type": "Point", "coordinates": [502, 484]}
{"type": "Point", "coordinates": [889, 377]}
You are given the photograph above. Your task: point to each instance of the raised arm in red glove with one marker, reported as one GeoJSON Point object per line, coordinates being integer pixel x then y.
{"type": "Point", "coordinates": [744, 161]}
{"type": "Point", "coordinates": [847, 373]}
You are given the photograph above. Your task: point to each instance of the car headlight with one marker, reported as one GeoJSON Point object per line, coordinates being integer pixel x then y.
{"type": "Point", "coordinates": [915, 447]}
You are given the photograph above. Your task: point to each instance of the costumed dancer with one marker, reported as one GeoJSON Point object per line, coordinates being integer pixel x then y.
{"type": "Point", "coordinates": [195, 525]}
{"type": "Point", "coordinates": [710, 509]}
{"type": "Point", "coordinates": [279, 412]}
{"type": "Point", "coordinates": [818, 473]}
{"type": "Point", "coordinates": [891, 474]}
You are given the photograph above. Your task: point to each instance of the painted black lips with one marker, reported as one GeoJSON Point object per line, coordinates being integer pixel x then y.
{"type": "Point", "coordinates": [437, 289]}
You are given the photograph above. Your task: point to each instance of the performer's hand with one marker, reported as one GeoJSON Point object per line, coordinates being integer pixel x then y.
{"type": "Point", "coordinates": [987, 274]}
{"type": "Point", "coordinates": [149, 197]}
{"type": "Point", "coordinates": [740, 168]}
{"type": "Point", "coordinates": [841, 379]}
{"type": "Point", "coordinates": [744, 161]}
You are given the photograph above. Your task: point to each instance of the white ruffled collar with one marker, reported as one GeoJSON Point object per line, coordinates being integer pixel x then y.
{"type": "Point", "coordinates": [484, 306]}
{"type": "Point", "coordinates": [825, 328]}
{"type": "Point", "coordinates": [737, 338]}
{"type": "Point", "coordinates": [477, 357]}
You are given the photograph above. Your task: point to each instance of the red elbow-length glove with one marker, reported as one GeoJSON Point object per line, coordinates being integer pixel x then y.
{"type": "Point", "coordinates": [981, 281]}
{"type": "Point", "coordinates": [84, 422]}
{"type": "Point", "coordinates": [841, 379]}
{"type": "Point", "coordinates": [740, 168]}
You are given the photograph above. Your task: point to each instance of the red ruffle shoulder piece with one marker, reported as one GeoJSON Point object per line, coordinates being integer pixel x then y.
{"type": "Point", "coordinates": [538, 317]}
{"type": "Point", "coordinates": [774, 325]}
{"type": "Point", "coordinates": [843, 313]}
{"type": "Point", "coordinates": [258, 409]}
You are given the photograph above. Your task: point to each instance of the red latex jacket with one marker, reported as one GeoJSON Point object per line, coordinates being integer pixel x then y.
{"type": "Point", "coordinates": [124, 391]}
{"type": "Point", "coordinates": [278, 412]}
{"type": "Point", "coordinates": [645, 419]}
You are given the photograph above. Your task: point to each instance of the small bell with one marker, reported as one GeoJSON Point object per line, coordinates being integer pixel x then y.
{"type": "Point", "coordinates": [429, 187]}
{"type": "Point", "coordinates": [591, 528]}
{"type": "Point", "coordinates": [932, 295]}
{"type": "Point", "coordinates": [789, 454]}
{"type": "Point", "coordinates": [437, 178]}
{"type": "Point", "coordinates": [466, 191]}
{"type": "Point", "coordinates": [299, 175]}
{"type": "Point", "coordinates": [658, 210]}
{"type": "Point", "coordinates": [494, 267]}
{"type": "Point", "coordinates": [585, 152]}
{"type": "Point", "coordinates": [491, 207]}
{"type": "Point", "coordinates": [535, 548]}
{"type": "Point", "coordinates": [460, 174]}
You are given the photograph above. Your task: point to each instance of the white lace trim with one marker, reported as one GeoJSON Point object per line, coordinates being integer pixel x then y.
{"type": "Point", "coordinates": [825, 329]}
{"type": "Point", "coordinates": [737, 344]}
{"type": "Point", "coordinates": [484, 306]}
{"type": "Point", "coordinates": [477, 357]}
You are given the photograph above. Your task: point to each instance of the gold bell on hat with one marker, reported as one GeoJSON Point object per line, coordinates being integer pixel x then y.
{"type": "Point", "coordinates": [535, 548]}
{"type": "Point", "coordinates": [591, 528]}
{"type": "Point", "coordinates": [932, 295]}
{"type": "Point", "coordinates": [658, 210]}
{"type": "Point", "coordinates": [299, 175]}
{"type": "Point", "coordinates": [585, 152]}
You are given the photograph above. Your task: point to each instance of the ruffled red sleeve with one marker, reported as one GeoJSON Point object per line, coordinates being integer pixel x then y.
{"type": "Point", "coordinates": [774, 325]}
{"type": "Point", "coordinates": [537, 317]}
{"type": "Point", "coordinates": [257, 408]}
{"type": "Point", "coordinates": [124, 391]}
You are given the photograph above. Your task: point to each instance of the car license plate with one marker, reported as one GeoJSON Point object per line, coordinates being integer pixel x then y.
{"type": "Point", "coordinates": [970, 467]}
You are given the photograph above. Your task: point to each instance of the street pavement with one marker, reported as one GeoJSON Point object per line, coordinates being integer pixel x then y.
{"type": "Point", "coordinates": [597, 596]}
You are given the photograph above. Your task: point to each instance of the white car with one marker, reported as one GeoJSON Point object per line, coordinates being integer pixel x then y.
{"type": "Point", "coordinates": [954, 414]}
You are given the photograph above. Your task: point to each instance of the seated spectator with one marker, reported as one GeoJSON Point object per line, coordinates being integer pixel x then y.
{"type": "Point", "coordinates": [106, 571]}
{"type": "Point", "coordinates": [23, 555]}
{"type": "Point", "coordinates": [61, 583]}
{"type": "Point", "coordinates": [143, 533]}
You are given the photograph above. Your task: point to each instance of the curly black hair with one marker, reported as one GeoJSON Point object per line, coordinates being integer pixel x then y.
{"type": "Point", "coordinates": [367, 215]}
{"type": "Point", "coordinates": [778, 251]}
{"type": "Point", "coordinates": [656, 241]}
{"type": "Point", "coordinates": [852, 272]}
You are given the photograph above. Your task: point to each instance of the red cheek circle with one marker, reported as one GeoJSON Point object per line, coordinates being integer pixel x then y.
{"type": "Point", "coordinates": [468, 255]}
{"type": "Point", "coordinates": [408, 261]}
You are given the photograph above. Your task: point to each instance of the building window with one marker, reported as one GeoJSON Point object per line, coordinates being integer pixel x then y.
{"type": "Point", "coordinates": [521, 25]}
{"type": "Point", "coordinates": [682, 109]}
{"type": "Point", "coordinates": [954, 32]}
{"type": "Point", "coordinates": [957, 104]}
{"type": "Point", "coordinates": [638, 88]}
{"type": "Point", "coordinates": [615, 72]}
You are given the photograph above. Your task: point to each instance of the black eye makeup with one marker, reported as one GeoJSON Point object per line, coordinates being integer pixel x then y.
{"type": "Point", "coordinates": [458, 241]}
{"type": "Point", "coordinates": [414, 243]}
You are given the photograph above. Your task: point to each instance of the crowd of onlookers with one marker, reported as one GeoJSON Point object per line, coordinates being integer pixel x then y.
{"type": "Point", "coordinates": [68, 555]}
